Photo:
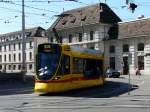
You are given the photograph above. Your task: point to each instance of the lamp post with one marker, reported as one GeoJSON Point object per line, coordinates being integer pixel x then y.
{"type": "Point", "coordinates": [23, 40]}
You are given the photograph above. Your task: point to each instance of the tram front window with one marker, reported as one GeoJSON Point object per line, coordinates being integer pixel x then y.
{"type": "Point", "coordinates": [47, 65]}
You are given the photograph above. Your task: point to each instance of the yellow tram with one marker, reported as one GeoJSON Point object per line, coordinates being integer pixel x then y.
{"type": "Point", "coordinates": [61, 68]}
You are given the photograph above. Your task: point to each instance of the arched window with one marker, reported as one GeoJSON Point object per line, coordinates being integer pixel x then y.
{"type": "Point", "coordinates": [125, 48]}
{"type": "Point", "coordinates": [140, 47]}
{"type": "Point", "coordinates": [112, 49]}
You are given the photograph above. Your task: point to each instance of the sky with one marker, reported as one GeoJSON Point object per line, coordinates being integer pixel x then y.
{"type": "Point", "coordinates": [42, 13]}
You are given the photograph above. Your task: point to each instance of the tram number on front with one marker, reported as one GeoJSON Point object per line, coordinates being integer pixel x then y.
{"type": "Point", "coordinates": [47, 47]}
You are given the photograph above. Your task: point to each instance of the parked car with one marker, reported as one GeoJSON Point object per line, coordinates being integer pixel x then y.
{"type": "Point", "coordinates": [111, 73]}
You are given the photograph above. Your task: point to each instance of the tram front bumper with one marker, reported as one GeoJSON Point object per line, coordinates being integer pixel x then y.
{"type": "Point", "coordinates": [41, 87]}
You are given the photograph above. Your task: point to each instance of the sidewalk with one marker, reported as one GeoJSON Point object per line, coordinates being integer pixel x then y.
{"type": "Point", "coordinates": [142, 85]}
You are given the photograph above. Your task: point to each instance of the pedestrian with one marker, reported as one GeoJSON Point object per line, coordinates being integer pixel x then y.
{"type": "Point", "coordinates": [137, 71]}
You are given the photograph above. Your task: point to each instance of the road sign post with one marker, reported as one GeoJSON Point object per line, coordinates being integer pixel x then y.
{"type": "Point", "coordinates": [129, 81]}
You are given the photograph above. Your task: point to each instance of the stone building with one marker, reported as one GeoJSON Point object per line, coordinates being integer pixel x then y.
{"type": "Point", "coordinates": [131, 49]}
{"type": "Point", "coordinates": [11, 49]}
{"type": "Point", "coordinates": [126, 45]}
{"type": "Point", "coordinates": [85, 27]}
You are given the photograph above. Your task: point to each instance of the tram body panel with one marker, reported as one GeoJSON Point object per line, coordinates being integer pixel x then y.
{"type": "Point", "coordinates": [56, 68]}
{"type": "Point", "coordinates": [68, 82]}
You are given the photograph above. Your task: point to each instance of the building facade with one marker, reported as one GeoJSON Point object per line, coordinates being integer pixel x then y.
{"type": "Point", "coordinates": [126, 45]}
{"type": "Point", "coordinates": [132, 48]}
{"type": "Point", "coordinates": [84, 27]}
{"type": "Point", "coordinates": [11, 50]}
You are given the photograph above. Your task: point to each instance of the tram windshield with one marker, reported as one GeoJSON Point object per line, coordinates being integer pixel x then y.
{"type": "Point", "coordinates": [47, 63]}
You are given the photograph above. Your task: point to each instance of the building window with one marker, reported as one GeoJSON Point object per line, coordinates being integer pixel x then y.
{"type": "Point", "coordinates": [4, 47]}
{"type": "Point", "coordinates": [125, 64]}
{"type": "Point", "coordinates": [70, 38]}
{"type": "Point", "coordinates": [19, 46]}
{"type": "Point", "coordinates": [14, 57]}
{"type": "Point", "coordinates": [92, 47]}
{"type": "Point", "coordinates": [19, 67]}
{"type": "Point", "coordinates": [30, 45]}
{"type": "Point", "coordinates": [112, 62]}
{"type": "Point", "coordinates": [141, 62]}
{"type": "Point", "coordinates": [19, 55]}
{"type": "Point", "coordinates": [10, 57]}
{"type": "Point", "coordinates": [9, 47]}
{"type": "Point", "coordinates": [30, 56]}
{"type": "Point", "coordinates": [60, 39]}
{"type": "Point", "coordinates": [5, 57]}
{"type": "Point", "coordinates": [14, 67]}
{"type": "Point", "coordinates": [0, 58]}
{"type": "Point", "coordinates": [125, 48]}
{"type": "Point", "coordinates": [9, 67]}
{"type": "Point", "coordinates": [140, 47]}
{"type": "Point", "coordinates": [14, 47]}
{"type": "Point", "coordinates": [80, 37]}
{"type": "Point", "coordinates": [24, 56]}
{"type": "Point", "coordinates": [51, 39]}
{"type": "Point", "coordinates": [91, 35]}
{"type": "Point", "coordinates": [0, 48]}
{"type": "Point", "coordinates": [30, 66]}
{"type": "Point", "coordinates": [0, 67]}
{"type": "Point", "coordinates": [112, 49]}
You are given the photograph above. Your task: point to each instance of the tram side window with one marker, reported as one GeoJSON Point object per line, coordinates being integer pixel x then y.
{"type": "Point", "coordinates": [77, 66]}
{"type": "Point", "coordinates": [93, 67]}
{"type": "Point", "coordinates": [65, 65]}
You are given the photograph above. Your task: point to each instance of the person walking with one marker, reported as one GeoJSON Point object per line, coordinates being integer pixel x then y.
{"type": "Point", "coordinates": [137, 71]}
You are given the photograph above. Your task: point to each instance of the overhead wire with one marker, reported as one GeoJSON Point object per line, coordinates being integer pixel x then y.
{"type": "Point", "coordinates": [33, 7]}
{"type": "Point", "coordinates": [8, 20]}
{"type": "Point", "coordinates": [14, 10]}
{"type": "Point", "coordinates": [44, 15]}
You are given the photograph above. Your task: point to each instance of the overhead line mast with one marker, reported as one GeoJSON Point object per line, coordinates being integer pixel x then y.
{"type": "Point", "coordinates": [23, 40]}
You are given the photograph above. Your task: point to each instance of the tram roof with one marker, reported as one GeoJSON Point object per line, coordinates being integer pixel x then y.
{"type": "Point", "coordinates": [86, 50]}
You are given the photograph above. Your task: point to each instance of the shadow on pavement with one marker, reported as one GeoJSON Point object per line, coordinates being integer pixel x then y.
{"type": "Point", "coordinates": [110, 89]}
{"type": "Point", "coordinates": [13, 86]}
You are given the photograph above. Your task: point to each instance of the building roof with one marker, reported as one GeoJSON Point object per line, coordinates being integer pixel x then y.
{"type": "Point", "coordinates": [98, 13]}
{"type": "Point", "coordinates": [137, 28]}
{"type": "Point", "coordinates": [33, 32]}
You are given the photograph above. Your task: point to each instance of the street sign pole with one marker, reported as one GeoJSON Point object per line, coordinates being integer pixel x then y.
{"type": "Point", "coordinates": [129, 75]}
{"type": "Point", "coordinates": [129, 85]}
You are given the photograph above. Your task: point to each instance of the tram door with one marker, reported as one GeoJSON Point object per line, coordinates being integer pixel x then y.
{"type": "Point", "coordinates": [125, 65]}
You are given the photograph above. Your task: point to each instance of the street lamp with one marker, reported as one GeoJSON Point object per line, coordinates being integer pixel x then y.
{"type": "Point", "coordinates": [23, 39]}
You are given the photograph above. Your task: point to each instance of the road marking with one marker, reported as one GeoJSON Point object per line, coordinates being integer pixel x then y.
{"type": "Point", "coordinates": [81, 106]}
